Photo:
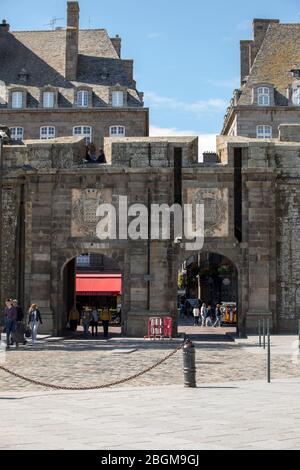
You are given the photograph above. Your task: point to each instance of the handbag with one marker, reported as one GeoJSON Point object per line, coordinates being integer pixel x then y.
{"type": "Point", "coordinates": [28, 332]}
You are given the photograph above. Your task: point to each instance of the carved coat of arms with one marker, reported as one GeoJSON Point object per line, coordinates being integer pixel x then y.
{"type": "Point", "coordinates": [84, 208]}
{"type": "Point", "coordinates": [215, 202]}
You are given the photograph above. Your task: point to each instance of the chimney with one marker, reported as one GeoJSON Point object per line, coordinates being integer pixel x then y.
{"type": "Point", "coordinates": [260, 27]}
{"type": "Point", "coordinates": [245, 59]}
{"type": "Point", "coordinates": [128, 65]}
{"type": "Point", "coordinates": [72, 36]}
{"type": "Point", "coordinates": [116, 42]}
{"type": "Point", "coordinates": [4, 27]}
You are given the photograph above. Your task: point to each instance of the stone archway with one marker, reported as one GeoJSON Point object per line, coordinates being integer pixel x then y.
{"type": "Point", "coordinates": [234, 257]}
{"type": "Point", "coordinates": [65, 271]}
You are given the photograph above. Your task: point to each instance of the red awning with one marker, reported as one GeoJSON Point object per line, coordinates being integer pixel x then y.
{"type": "Point", "coordinates": [98, 284]}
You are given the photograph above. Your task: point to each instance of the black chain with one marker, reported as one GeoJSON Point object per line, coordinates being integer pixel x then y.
{"type": "Point", "coordinates": [96, 387]}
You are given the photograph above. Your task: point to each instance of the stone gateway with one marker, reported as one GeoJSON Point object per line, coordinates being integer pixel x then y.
{"type": "Point", "coordinates": [251, 206]}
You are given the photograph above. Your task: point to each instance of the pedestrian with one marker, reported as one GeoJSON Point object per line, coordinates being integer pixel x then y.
{"type": "Point", "coordinates": [218, 314]}
{"type": "Point", "coordinates": [86, 318]}
{"type": "Point", "coordinates": [105, 318]}
{"type": "Point", "coordinates": [10, 318]}
{"type": "Point", "coordinates": [196, 313]}
{"type": "Point", "coordinates": [20, 330]}
{"type": "Point", "coordinates": [33, 320]}
{"type": "Point", "coordinates": [182, 310]}
{"type": "Point", "coordinates": [95, 321]}
{"type": "Point", "coordinates": [208, 315]}
{"type": "Point", "coordinates": [74, 318]}
{"type": "Point", "coordinates": [203, 314]}
{"type": "Point", "coordinates": [101, 157]}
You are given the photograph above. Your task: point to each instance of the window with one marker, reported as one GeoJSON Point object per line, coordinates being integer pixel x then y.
{"type": "Point", "coordinates": [118, 99]}
{"type": "Point", "coordinates": [17, 99]}
{"type": "Point", "coordinates": [16, 133]}
{"type": "Point", "coordinates": [296, 96]}
{"type": "Point", "coordinates": [82, 99]}
{"type": "Point", "coordinates": [48, 99]}
{"type": "Point", "coordinates": [47, 132]}
{"type": "Point", "coordinates": [83, 260]}
{"type": "Point", "coordinates": [263, 96]}
{"type": "Point", "coordinates": [264, 132]}
{"type": "Point", "coordinates": [117, 131]}
{"type": "Point", "coordinates": [85, 131]}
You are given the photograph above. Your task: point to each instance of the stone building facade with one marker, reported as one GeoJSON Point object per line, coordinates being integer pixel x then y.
{"type": "Point", "coordinates": [68, 82]}
{"type": "Point", "coordinates": [269, 94]}
{"type": "Point", "coordinates": [251, 202]}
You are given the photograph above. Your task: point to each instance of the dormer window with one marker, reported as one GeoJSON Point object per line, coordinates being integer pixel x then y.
{"type": "Point", "coordinates": [263, 96]}
{"type": "Point", "coordinates": [23, 76]}
{"type": "Point", "coordinates": [17, 99]}
{"type": "Point", "coordinates": [296, 95]}
{"type": "Point", "coordinates": [82, 99]}
{"type": "Point", "coordinates": [117, 99]}
{"type": "Point", "coordinates": [295, 73]}
{"type": "Point", "coordinates": [48, 99]}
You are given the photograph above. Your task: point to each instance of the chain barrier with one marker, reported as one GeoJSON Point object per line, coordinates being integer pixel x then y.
{"type": "Point", "coordinates": [96, 387]}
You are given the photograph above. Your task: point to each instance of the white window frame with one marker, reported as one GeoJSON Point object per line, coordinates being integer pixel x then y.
{"type": "Point", "coordinates": [47, 132]}
{"type": "Point", "coordinates": [17, 99]}
{"type": "Point", "coordinates": [264, 131]}
{"type": "Point", "coordinates": [82, 99]}
{"type": "Point", "coordinates": [48, 99]}
{"type": "Point", "coordinates": [263, 96]}
{"type": "Point", "coordinates": [296, 95]}
{"type": "Point", "coordinates": [117, 131]}
{"type": "Point", "coordinates": [16, 133]}
{"type": "Point", "coordinates": [117, 99]}
{"type": "Point", "coordinates": [85, 131]}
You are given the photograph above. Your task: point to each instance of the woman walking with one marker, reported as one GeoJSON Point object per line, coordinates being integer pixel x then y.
{"type": "Point", "coordinates": [33, 321]}
{"type": "Point", "coordinates": [95, 321]}
{"type": "Point", "coordinates": [196, 313]}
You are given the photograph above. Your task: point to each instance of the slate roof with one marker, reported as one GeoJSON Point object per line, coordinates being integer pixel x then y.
{"type": "Point", "coordinates": [42, 54]}
{"type": "Point", "coordinates": [278, 55]}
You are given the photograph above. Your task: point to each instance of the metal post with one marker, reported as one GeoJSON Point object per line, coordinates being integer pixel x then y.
{"type": "Point", "coordinates": [189, 364]}
{"type": "Point", "coordinates": [264, 333]}
{"type": "Point", "coordinates": [259, 332]}
{"type": "Point", "coordinates": [1, 211]}
{"type": "Point", "coordinates": [299, 335]}
{"type": "Point", "coordinates": [269, 351]}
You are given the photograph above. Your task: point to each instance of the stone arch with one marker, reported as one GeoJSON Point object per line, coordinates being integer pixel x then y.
{"type": "Point", "coordinates": [233, 252]}
{"type": "Point", "coordinates": [117, 254]}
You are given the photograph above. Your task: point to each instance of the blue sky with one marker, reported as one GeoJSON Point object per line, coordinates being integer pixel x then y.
{"type": "Point", "coordinates": [186, 52]}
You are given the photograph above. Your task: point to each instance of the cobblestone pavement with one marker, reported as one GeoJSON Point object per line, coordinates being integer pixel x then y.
{"type": "Point", "coordinates": [95, 362]}
{"type": "Point", "coordinates": [235, 415]}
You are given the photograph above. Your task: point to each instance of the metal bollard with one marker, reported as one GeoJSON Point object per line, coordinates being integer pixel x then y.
{"type": "Point", "coordinates": [259, 332]}
{"type": "Point", "coordinates": [269, 351]}
{"type": "Point", "coordinates": [189, 364]}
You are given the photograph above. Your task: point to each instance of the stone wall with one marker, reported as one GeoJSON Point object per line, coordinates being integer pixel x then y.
{"type": "Point", "coordinates": [59, 196]}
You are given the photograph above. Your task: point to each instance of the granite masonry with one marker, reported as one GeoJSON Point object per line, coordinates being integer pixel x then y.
{"type": "Point", "coordinates": [251, 201]}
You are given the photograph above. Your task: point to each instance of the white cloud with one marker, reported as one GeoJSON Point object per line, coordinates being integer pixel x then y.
{"type": "Point", "coordinates": [231, 83]}
{"type": "Point", "coordinates": [154, 35]}
{"type": "Point", "coordinates": [197, 107]}
{"type": "Point", "coordinates": [207, 142]}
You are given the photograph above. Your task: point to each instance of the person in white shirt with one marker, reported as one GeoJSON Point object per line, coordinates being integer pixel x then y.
{"type": "Point", "coordinates": [203, 314]}
{"type": "Point", "coordinates": [196, 313]}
